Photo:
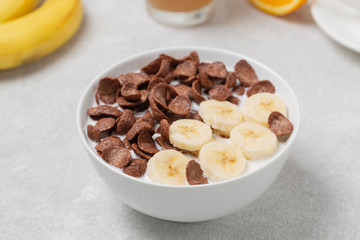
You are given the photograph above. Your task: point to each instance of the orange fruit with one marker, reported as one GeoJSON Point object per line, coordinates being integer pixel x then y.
{"type": "Point", "coordinates": [278, 7]}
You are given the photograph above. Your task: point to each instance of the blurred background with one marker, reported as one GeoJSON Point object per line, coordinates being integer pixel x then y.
{"type": "Point", "coordinates": [49, 190]}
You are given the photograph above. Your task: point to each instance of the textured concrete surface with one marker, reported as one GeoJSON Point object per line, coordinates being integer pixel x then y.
{"type": "Point", "coordinates": [49, 190]}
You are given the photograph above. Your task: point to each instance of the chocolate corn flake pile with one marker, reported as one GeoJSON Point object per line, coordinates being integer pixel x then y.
{"type": "Point", "coordinates": [164, 91]}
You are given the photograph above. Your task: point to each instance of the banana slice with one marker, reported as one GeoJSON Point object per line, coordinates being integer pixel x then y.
{"type": "Point", "coordinates": [189, 134]}
{"type": "Point", "coordinates": [255, 139]}
{"type": "Point", "coordinates": [221, 116]}
{"type": "Point", "coordinates": [221, 160]}
{"type": "Point", "coordinates": [168, 167]}
{"type": "Point", "coordinates": [258, 107]}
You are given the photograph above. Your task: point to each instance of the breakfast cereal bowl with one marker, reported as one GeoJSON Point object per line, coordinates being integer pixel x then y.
{"type": "Point", "coordinates": [191, 203]}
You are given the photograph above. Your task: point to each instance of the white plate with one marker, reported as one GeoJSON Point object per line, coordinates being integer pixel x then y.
{"type": "Point", "coordinates": [340, 20]}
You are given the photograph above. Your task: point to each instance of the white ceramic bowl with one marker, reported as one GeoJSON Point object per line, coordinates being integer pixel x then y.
{"type": "Point", "coordinates": [199, 202]}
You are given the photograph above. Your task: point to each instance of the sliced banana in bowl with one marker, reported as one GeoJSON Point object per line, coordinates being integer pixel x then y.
{"type": "Point", "coordinates": [221, 160]}
{"type": "Point", "coordinates": [189, 134]}
{"type": "Point", "coordinates": [258, 107]}
{"type": "Point", "coordinates": [168, 167]}
{"type": "Point", "coordinates": [254, 139]}
{"type": "Point", "coordinates": [221, 115]}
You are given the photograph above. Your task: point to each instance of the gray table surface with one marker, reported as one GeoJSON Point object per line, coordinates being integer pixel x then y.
{"type": "Point", "coordinates": [49, 190]}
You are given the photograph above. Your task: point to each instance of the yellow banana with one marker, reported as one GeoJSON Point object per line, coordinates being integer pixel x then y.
{"type": "Point", "coordinates": [39, 33]}
{"type": "Point", "coordinates": [10, 9]}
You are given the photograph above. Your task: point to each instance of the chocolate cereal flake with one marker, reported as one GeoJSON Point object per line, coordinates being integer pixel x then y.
{"type": "Point", "coordinates": [194, 56]}
{"type": "Point", "coordinates": [164, 69]}
{"type": "Point", "coordinates": [130, 91]}
{"type": "Point", "coordinates": [146, 143]}
{"type": "Point", "coordinates": [170, 76]}
{"type": "Point", "coordinates": [230, 81]}
{"type": "Point", "coordinates": [117, 156]}
{"type": "Point", "coordinates": [245, 73]}
{"type": "Point", "coordinates": [93, 133]}
{"type": "Point", "coordinates": [260, 87]}
{"type": "Point", "coordinates": [180, 105]}
{"type": "Point", "coordinates": [195, 115]}
{"type": "Point", "coordinates": [186, 69]}
{"type": "Point", "coordinates": [104, 111]}
{"type": "Point", "coordinates": [173, 61]}
{"type": "Point", "coordinates": [148, 118]}
{"type": "Point", "coordinates": [156, 112]}
{"type": "Point", "coordinates": [196, 92]}
{"type": "Point", "coordinates": [139, 152]}
{"type": "Point", "coordinates": [168, 95]}
{"type": "Point", "coordinates": [136, 167]}
{"type": "Point", "coordinates": [194, 174]}
{"type": "Point", "coordinates": [107, 89]}
{"type": "Point", "coordinates": [216, 70]}
{"type": "Point", "coordinates": [158, 93]}
{"type": "Point", "coordinates": [124, 103]}
{"type": "Point", "coordinates": [205, 81]}
{"type": "Point", "coordinates": [139, 79]}
{"type": "Point", "coordinates": [182, 89]}
{"type": "Point", "coordinates": [164, 129]}
{"type": "Point", "coordinates": [174, 117]}
{"type": "Point", "coordinates": [137, 128]}
{"type": "Point", "coordinates": [153, 67]}
{"type": "Point", "coordinates": [220, 93]}
{"type": "Point", "coordinates": [163, 143]}
{"type": "Point", "coordinates": [234, 100]}
{"type": "Point", "coordinates": [108, 142]}
{"type": "Point", "coordinates": [188, 80]}
{"type": "Point", "coordinates": [127, 143]}
{"type": "Point", "coordinates": [279, 124]}
{"type": "Point", "coordinates": [154, 82]}
{"type": "Point", "coordinates": [239, 90]}
{"type": "Point", "coordinates": [105, 124]}
{"type": "Point", "coordinates": [125, 122]}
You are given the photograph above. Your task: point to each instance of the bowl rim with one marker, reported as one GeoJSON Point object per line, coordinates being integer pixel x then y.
{"type": "Point", "coordinates": [289, 142]}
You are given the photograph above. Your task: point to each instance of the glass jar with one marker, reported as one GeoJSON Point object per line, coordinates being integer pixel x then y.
{"type": "Point", "coordinates": [181, 13]}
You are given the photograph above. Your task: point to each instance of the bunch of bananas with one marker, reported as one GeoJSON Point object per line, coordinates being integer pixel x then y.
{"type": "Point", "coordinates": [29, 31]}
